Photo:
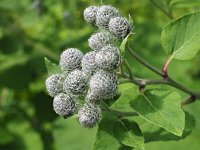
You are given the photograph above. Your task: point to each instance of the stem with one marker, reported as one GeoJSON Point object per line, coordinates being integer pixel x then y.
{"type": "Point", "coordinates": [172, 83]}
{"type": "Point", "coordinates": [143, 62]}
{"type": "Point", "coordinates": [165, 67]}
{"type": "Point", "coordinates": [188, 100]}
{"type": "Point", "coordinates": [123, 114]}
{"type": "Point", "coordinates": [118, 113]}
{"type": "Point", "coordinates": [166, 79]}
{"type": "Point", "coordinates": [183, 88]}
{"type": "Point", "coordinates": [121, 69]}
{"type": "Point", "coordinates": [128, 68]}
{"type": "Point", "coordinates": [133, 80]}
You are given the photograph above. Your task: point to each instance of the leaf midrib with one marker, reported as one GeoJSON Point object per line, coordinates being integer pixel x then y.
{"type": "Point", "coordinates": [185, 42]}
{"type": "Point", "coordinates": [160, 115]}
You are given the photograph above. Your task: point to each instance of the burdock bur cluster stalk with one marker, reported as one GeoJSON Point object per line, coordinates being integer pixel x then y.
{"type": "Point", "coordinates": [92, 76]}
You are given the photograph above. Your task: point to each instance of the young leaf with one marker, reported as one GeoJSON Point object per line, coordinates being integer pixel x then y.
{"type": "Point", "coordinates": [181, 37]}
{"type": "Point", "coordinates": [161, 108]}
{"type": "Point", "coordinates": [128, 133]}
{"type": "Point", "coordinates": [52, 68]}
{"type": "Point", "coordinates": [123, 44]}
{"type": "Point", "coordinates": [130, 19]}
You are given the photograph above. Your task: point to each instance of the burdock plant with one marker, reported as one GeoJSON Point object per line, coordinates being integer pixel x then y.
{"type": "Point", "coordinates": [101, 88]}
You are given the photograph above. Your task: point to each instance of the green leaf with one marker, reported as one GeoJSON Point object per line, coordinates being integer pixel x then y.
{"type": "Point", "coordinates": [128, 133]}
{"type": "Point", "coordinates": [52, 68]}
{"type": "Point", "coordinates": [152, 132]}
{"type": "Point", "coordinates": [181, 37]}
{"type": "Point", "coordinates": [128, 91]}
{"type": "Point", "coordinates": [161, 108]}
{"type": "Point", "coordinates": [130, 19]}
{"type": "Point", "coordinates": [184, 3]}
{"type": "Point", "coordinates": [105, 137]}
{"type": "Point", "coordinates": [109, 138]}
{"type": "Point", "coordinates": [123, 44]}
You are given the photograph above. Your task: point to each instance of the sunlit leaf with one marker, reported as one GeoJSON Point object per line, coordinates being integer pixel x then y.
{"type": "Point", "coordinates": [181, 37]}
{"type": "Point", "coordinates": [161, 108]}
{"type": "Point", "coordinates": [128, 133]}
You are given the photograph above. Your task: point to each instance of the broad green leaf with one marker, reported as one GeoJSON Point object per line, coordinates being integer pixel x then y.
{"type": "Point", "coordinates": [52, 68]}
{"type": "Point", "coordinates": [161, 108]}
{"type": "Point", "coordinates": [105, 137]}
{"type": "Point", "coordinates": [128, 133]}
{"type": "Point", "coordinates": [153, 133]}
{"type": "Point", "coordinates": [127, 92]}
{"type": "Point", "coordinates": [124, 43]}
{"type": "Point", "coordinates": [184, 3]}
{"type": "Point", "coordinates": [181, 37]}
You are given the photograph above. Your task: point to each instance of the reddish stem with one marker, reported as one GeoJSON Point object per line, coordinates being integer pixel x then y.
{"type": "Point", "coordinates": [165, 68]}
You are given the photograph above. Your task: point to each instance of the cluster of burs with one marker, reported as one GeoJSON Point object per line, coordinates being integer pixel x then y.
{"type": "Point", "coordinates": [91, 76]}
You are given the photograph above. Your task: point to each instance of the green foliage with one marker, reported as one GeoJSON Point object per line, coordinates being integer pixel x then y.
{"type": "Point", "coordinates": [180, 38]}
{"type": "Point", "coordinates": [162, 108]}
{"type": "Point", "coordinates": [152, 132]}
{"type": "Point", "coordinates": [33, 29]}
{"type": "Point", "coordinates": [129, 134]}
{"type": "Point", "coordinates": [52, 68]}
{"type": "Point", "coordinates": [124, 43]}
{"type": "Point", "coordinates": [105, 137]}
{"type": "Point", "coordinates": [127, 93]}
{"type": "Point", "coordinates": [113, 133]}
{"type": "Point", "coordinates": [184, 3]}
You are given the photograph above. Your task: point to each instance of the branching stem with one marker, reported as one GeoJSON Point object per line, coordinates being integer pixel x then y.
{"type": "Point", "coordinates": [118, 113]}
{"type": "Point", "coordinates": [143, 62]}
{"type": "Point", "coordinates": [194, 95]}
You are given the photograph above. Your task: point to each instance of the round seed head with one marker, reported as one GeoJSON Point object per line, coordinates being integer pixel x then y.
{"type": "Point", "coordinates": [108, 58]}
{"type": "Point", "coordinates": [89, 115]}
{"type": "Point", "coordinates": [88, 64]}
{"type": "Point", "coordinates": [89, 14]}
{"type": "Point", "coordinates": [104, 14]}
{"type": "Point", "coordinates": [98, 40]}
{"type": "Point", "coordinates": [70, 59]}
{"type": "Point", "coordinates": [119, 27]}
{"type": "Point", "coordinates": [103, 85]}
{"type": "Point", "coordinates": [76, 82]}
{"type": "Point", "coordinates": [64, 104]}
{"type": "Point", "coordinates": [54, 84]}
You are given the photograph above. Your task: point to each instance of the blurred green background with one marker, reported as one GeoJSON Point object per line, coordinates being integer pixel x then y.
{"type": "Point", "coordinates": [33, 29]}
